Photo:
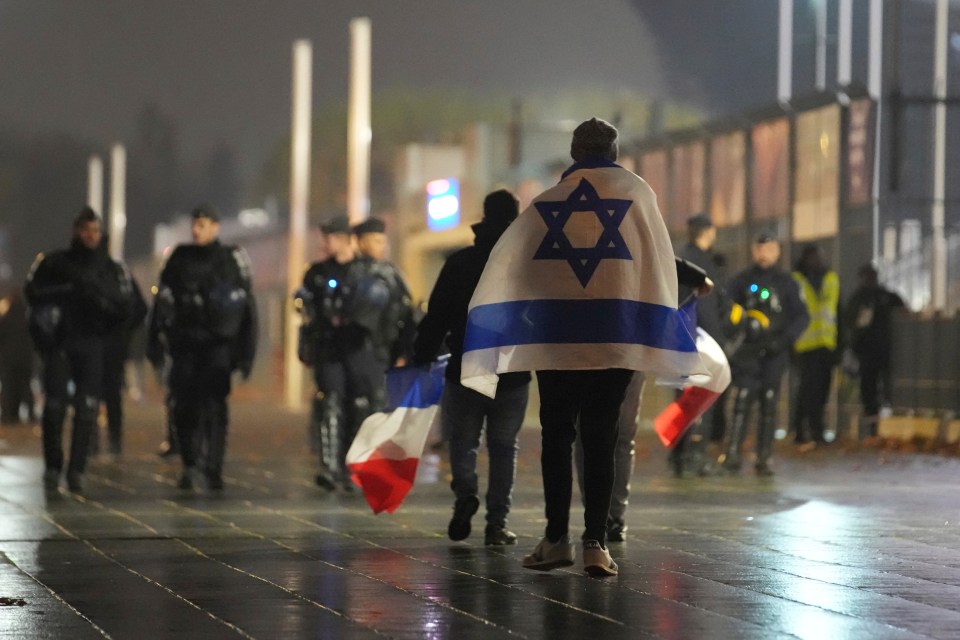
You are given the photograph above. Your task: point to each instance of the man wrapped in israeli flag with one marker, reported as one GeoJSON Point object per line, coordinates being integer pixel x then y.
{"type": "Point", "coordinates": [582, 289]}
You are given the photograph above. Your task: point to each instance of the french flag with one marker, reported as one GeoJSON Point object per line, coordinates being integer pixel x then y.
{"type": "Point", "coordinates": [384, 456]}
{"type": "Point", "coordinates": [699, 391]}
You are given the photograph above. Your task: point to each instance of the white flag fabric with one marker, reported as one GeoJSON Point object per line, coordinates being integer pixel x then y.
{"type": "Point", "coordinates": [385, 453]}
{"type": "Point", "coordinates": [584, 278]}
{"type": "Point", "coordinates": [700, 391]}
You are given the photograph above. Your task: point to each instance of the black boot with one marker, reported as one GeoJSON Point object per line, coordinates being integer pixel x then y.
{"type": "Point", "coordinates": [737, 429]}
{"type": "Point", "coordinates": [765, 431]}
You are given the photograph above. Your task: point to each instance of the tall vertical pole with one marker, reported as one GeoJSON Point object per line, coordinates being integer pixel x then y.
{"type": "Point", "coordinates": [875, 87]}
{"type": "Point", "coordinates": [938, 266]}
{"type": "Point", "coordinates": [299, 199]}
{"type": "Point", "coordinates": [118, 200]}
{"type": "Point", "coordinates": [785, 54]}
{"type": "Point", "coordinates": [844, 42]}
{"type": "Point", "coordinates": [358, 127]}
{"type": "Point", "coordinates": [95, 183]}
{"type": "Point", "coordinates": [820, 11]}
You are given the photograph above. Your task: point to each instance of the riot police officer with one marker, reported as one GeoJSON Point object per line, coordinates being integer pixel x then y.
{"type": "Point", "coordinates": [344, 300]}
{"type": "Point", "coordinates": [77, 297]}
{"type": "Point", "coordinates": [394, 341]}
{"type": "Point", "coordinates": [204, 317]}
{"type": "Point", "coordinates": [769, 315]}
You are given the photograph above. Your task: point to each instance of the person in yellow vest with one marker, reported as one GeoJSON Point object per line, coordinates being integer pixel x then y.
{"type": "Point", "coordinates": [816, 348]}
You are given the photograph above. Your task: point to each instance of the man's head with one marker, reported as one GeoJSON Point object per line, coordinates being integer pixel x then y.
{"type": "Point", "coordinates": [500, 208]}
{"type": "Point", "coordinates": [372, 238]}
{"type": "Point", "coordinates": [205, 226]}
{"type": "Point", "coordinates": [701, 232]}
{"type": "Point", "coordinates": [765, 250]}
{"type": "Point", "coordinates": [88, 228]}
{"type": "Point", "coordinates": [338, 238]}
{"type": "Point", "coordinates": [811, 258]}
{"type": "Point", "coordinates": [594, 139]}
{"type": "Point", "coordinates": [868, 274]}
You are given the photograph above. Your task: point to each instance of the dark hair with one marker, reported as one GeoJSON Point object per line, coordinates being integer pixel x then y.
{"type": "Point", "coordinates": [86, 215]}
{"type": "Point", "coordinates": [594, 139]}
{"type": "Point", "coordinates": [205, 210]}
{"type": "Point", "coordinates": [500, 208]}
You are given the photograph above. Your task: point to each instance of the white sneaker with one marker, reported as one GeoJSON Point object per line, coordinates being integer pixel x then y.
{"type": "Point", "coordinates": [550, 555]}
{"type": "Point", "coordinates": [597, 561]}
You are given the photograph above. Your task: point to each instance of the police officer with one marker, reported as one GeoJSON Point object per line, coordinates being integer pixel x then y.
{"type": "Point", "coordinates": [394, 342]}
{"type": "Point", "coordinates": [204, 318]}
{"type": "Point", "coordinates": [688, 454]}
{"type": "Point", "coordinates": [77, 297]}
{"type": "Point", "coordinates": [116, 347]}
{"type": "Point", "coordinates": [769, 315]}
{"type": "Point", "coordinates": [344, 300]}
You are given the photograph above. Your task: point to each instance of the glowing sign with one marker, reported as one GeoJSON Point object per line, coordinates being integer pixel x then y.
{"type": "Point", "coordinates": [443, 204]}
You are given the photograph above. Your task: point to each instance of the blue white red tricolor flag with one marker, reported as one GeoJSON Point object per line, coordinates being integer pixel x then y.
{"type": "Point", "coordinates": [699, 391]}
{"type": "Point", "coordinates": [384, 456]}
{"type": "Point", "coordinates": [584, 278]}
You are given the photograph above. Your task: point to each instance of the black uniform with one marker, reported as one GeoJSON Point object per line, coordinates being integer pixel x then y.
{"type": "Point", "coordinates": [761, 353]}
{"type": "Point", "coordinates": [16, 360]}
{"type": "Point", "coordinates": [345, 307]}
{"type": "Point", "coordinates": [204, 317]}
{"type": "Point", "coordinates": [77, 297]}
{"type": "Point", "coordinates": [116, 347]}
{"type": "Point", "coordinates": [394, 340]}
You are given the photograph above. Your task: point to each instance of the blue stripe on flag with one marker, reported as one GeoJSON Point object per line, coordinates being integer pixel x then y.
{"type": "Point", "coordinates": [577, 322]}
{"type": "Point", "coordinates": [416, 387]}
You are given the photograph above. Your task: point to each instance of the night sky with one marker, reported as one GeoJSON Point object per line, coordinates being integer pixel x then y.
{"type": "Point", "coordinates": [221, 68]}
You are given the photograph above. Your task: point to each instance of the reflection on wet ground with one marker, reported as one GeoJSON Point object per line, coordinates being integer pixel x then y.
{"type": "Point", "coordinates": [841, 543]}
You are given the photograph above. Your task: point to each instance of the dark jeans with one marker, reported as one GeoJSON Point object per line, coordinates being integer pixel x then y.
{"type": "Point", "coordinates": [80, 360]}
{"type": "Point", "coordinates": [15, 391]}
{"type": "Point", "coordinates": [199, 386]}
{"type": "Point", "coordinates": [874, 380]}
{"type": "Point", "coordinates": [589, 401]}
{"type": "Point", "coordinates": [114, 358]}
{"type": "Point", "coordinates": [815, 368]}
{"type": "Point", "coordinates": [624, 453]}
{"type": "Point", "coordinates": [463, 412]}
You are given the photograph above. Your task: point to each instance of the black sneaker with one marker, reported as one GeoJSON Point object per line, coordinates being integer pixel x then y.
{"type": "Point", "coordinates": [494, 536]}
{"type": "Point", "coordinates": [463, 510]}
{"type": "Point", "coordinates": [188, 479]}
{"type": "Point", "coordinates": [763, 470]}
{"type": "Point", "coordinates": [51, 479]}
{"type": "Point", "coordinates": [215, 482]}
{"type": "Point", "coordinates": [325, 481]}
{"type": "Point", "coordinates": [616, 531]}
{"type": "Point", "coordinates": [75, 482]}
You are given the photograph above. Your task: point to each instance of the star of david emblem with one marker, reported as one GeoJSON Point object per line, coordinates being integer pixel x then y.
{"type": "Point", "coordinates": [583, 260]}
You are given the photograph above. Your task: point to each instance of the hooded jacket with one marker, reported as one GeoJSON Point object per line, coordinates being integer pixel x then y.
{"type": "Point", "coordinates": [446, 317]}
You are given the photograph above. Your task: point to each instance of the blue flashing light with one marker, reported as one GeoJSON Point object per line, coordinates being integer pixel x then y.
{"type": "Point", "coordinates": [332, 283]}
{"type": "Point", "coordinates": [443, 204]}
{"type": "Point", "coordinates": [753, 288]}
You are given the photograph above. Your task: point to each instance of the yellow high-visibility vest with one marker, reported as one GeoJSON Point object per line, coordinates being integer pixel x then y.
{"type": "Point", "coordinates": [822, 307]}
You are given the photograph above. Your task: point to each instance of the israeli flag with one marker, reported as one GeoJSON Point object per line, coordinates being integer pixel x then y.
{"type": "Point", "coordinates": [584, 278]}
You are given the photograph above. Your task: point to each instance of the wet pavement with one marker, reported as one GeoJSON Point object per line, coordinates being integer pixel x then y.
{"type": "Point", "coordinates": [842, 543]}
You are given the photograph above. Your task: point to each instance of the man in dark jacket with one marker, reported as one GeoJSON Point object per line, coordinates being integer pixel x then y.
{"type": "Point", "coordinates": [689, 453]}
{"type": "Point", "coordinates": [463, 410]}
{"type": "Point", "coordinates": [869, 332]}
{"type": "Point", "coordinates": [770, 317]}
{"type": "Point", "coordinates": [16, 360]}
{"type": "Point", "coordinates": [204, 317]}
{"type": "Point", "coordinates": [77, 297]}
